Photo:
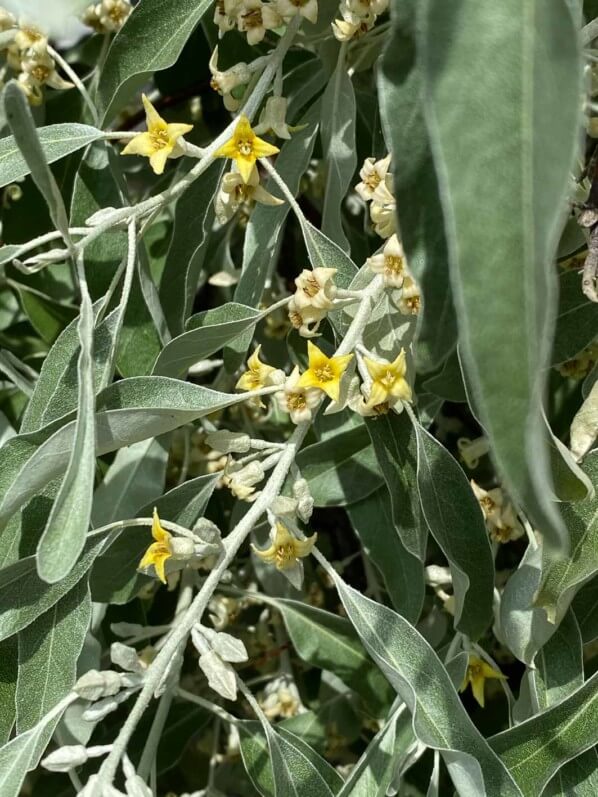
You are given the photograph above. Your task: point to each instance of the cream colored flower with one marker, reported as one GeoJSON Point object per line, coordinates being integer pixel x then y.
{"type": "Point", "coordinates": [298, 401]}
{"type": "Point", "coordinates": [225, 15]}
{"type": "Point", "coordinates": [112, 14]}
{"type": "Point", "coordinates": [410, 301]}
{"type": "Point", "coordinates": [372, 173]}
{"type": "Point", "coordinates": [470, 451]}
{"type": "Point", "coordinates": [365, 8]}
{"type": "Point", "coordinates": [160, 142]}
{"type": "Point", "coordinates": [255, 18]}
{"type": "Point", "coordinates": [225, 82]}
{"type": "Point", "coordinates": [390, 263]}
{"type": "Point", "coordinates": [273, 118]}
{"type": "Point", "coordinates": [281, 699]}
{"type": "Point", "coordinates": [40, 69]}
{"type": "Point", "coordinates": [315, 288]}
{"type": "Point", "coordinates": [346, 29]}
{"type": "Point", "coordinates": [499, 514]}
{"type": "Point", "coordinates": [305, 8]}
{"type": "Point", "coordinates": [242, 482]}
{"type": "Point", "coordinates": [305, 320]}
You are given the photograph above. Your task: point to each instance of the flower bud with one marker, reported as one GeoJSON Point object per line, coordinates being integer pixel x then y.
{"type": "Point", "coordinates": [95, 684]}
{"type": "Point", "coordinates": [229, 442]}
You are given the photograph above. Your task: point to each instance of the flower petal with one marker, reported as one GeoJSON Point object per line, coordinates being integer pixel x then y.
{"type": "Point", "coordinates": [245, 165]}
{"type": "Point", "coordinates": [262, 149]}
{"type": "Point", "coordinates": [159, 158]}
{"type": "Point", "coordinates": [176, 130]}
{"type": "Point", "coordinates": [140, 145]}
{"type": "Point", "coordinates": [152, 117]}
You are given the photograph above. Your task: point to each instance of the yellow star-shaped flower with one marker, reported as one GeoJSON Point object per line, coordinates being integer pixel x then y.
{"type": "Point", "coordinates": [245, 148]}
{"type": "Point", "coordinates": [285, 549]}
{"type": "Point", "coordinates": [160, 142]}
{"type": "Point", "coordinates": [324, 372]}
{"type": "Point", "coordinates": [257, 373]}
{"type": "Point", "coordinates": [388, 380]}
{"type": "Point", "coordinates": [478, 672]}
{"type": "Point", "coordinates": [159, 551]}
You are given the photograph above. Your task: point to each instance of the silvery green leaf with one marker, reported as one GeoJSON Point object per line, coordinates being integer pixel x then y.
{"type": "Point", "coordinates": [324, 253]}
{"type": "Point", "coordinates": [135, 477]}
{"type": "Point", "coordinates": [439, 719]}
{"type": "Point", "coordinates": [193, 219]}
{"type": "Point", "coordinates": [455, 520]}
{"type": "Point", "coordinates": [562, 577]}
{"type": "Point", "coordinates": [576, 321]}
{"type": "Point", "coordinates": [24, 751]}
{"type": "Point", "coordinates": [578, 778]}
{"type": "Point", "coordinates": [127, 412]}
{"type": "Point", "coordinates": [8, 686]}
{"type": "Point", "coordinates": [507, 207]}
{"type": "Point", "coordinates": [64, 535]}
{"type": "Point", "coordinates": [57, 141]}
{"type": "Point", "coordinates": [403, 573]}
{"type": "Point", "coordinates": [226, 646]}
{"type": "Point", "coordinates": [372, 774]}
{"type": "Point", "coordinates": [585, 606]}
{"type": "Point", "coordinates": [337, 129]}
{"type": "Point", "coordinates": [524, 627]}
{"type": "Point", "coordinates": [206, 333]}
{"type": "Point", "coordinates": [395, 443]}
{"type": "Point", "coordinates": [48, 653]}
{"type": "Point", "coordinates": [221, 676]}
{"type": "Point", "coordinates": [20, 120]}
{"type": "Point", "coordinates": [571, 483]}
{"type": "Point", "coordinates": [150, 40]}
{"type": "Point", "coordinates": [559, 664]}
{"type": "Point", "coordinates": [283, 765]}
{"type": "Point", "coordinates": [535, 749]}
{"type": "Point", "coordinates": [416, 186]}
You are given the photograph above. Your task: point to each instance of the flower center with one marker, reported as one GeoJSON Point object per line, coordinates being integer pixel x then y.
{"type": "Point", "coordinates": [255, 378]}
{"type": "Point", "coordinates": [487, 504]}
{"type": "Point", "coordinates": [299, 3]}
{"type": "Point", "coordinates": [393, 264]}
{"type": "Point", "coordinates": [40, 73]}
{"type": "Point", "coordinates": [381, 409]}
{"type": "Point", "coordinates": [296, 401]}
{"type": "Point", "coordinates": [311, 287]}
{"type": "Point", "coordinates": [295, 318]}
{"type": "Point", "coordinates": [324, 373]}
{"type": "Point", "coordinates": [245, 146]}
{"type": "Point", "coordinates": [253, 19]}
{"type": "Point", "coordinates": [159, 138]}
{"type": "Point", "coordinates": [372, 180]}
{"type": "Point", "coordinates": [285, 555]}
{"type": "Point", "coordinates": [413, 303]}
{"type": "Point", "coordinates": [474, 671]}
{"type": "Point", "coordinates": [243, 193]}
{"type": "Point", "coordinates": [388, 379]}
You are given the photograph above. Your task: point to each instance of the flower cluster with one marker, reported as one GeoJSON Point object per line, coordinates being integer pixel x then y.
{"type": "Point", "coordinates": [357, 17]}
{"type": "Point", "coordinates": [313, 299]}
{"type": "Point", "coordinates": [28, 57]}
{"type": "Point", "coordinates": [500, 516]}
{"type": "Point", "coordinates": [254, 17]}
{"type": "Point", "coordinates": [377, 186]}
{"type": "Point", "coordinates": [390, 262]}
{"type": "Point", "coordinates": [108, 16]}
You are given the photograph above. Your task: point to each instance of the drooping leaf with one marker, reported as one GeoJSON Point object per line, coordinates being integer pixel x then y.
{"type": "Point", "coordinates": [48, 653]}
{"type": "Point", "coordinates": [455, 520]}
{"type": "Point", "coordinates": [416, 187]}
{"type": "Point", "coordinates": [402, 572]}
{"type": "Point", "coordinates": [503, 212]}
{"type": "Point", "coordinates": [439, 719]}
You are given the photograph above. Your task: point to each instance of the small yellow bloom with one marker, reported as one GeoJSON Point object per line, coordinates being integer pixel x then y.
{"type": "Point", "coordinates": [245, 148]}
{"type": "Point", "coordinates": [478, 672]}
{"type": "Point", "coordinates": [160, 142]}
{"type": "Point", "coordinates": [324, 372]}
{"type": "Point", "coordinates": [159, 551]}
{"type": "Point", "coordinates": [389, 383]}
{"type": "Point", "coordinates": [285, 549]}
{"type": "Point", "coordinates": [258, 374]}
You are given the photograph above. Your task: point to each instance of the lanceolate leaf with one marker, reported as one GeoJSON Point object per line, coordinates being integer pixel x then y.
{"type": "Point", "coordinates": [421, 218]}
{"type": "Point", "coordinates": [559, 664]}
{"type": "Point", "coordinates": [534, 750]}
{"type": "Point", "coordinates": [503, 211]}
{"type": "Point", "coordinates": [561, 578]}
{"type": "Point", "coordinates": [57, 141]}
{"type": "Point", "coordinates": [129, 411]}
{"type": "Point", "coordinates": [439, 719]}
{"type": "Point", "coordinates": [402, 572]}
{"type": "Point", "coordinates": [455, 520]}
{"type": "Point", "coordinates": [338, 144]}
{"type": "Point", "coordinates": [578, 778]}
{"type": "Point", "coordinates": [48, 653]}
{"type": "Point", "coordinates": [151, 39]}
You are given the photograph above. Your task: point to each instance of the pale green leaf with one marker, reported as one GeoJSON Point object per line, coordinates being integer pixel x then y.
{"type": "Point", "coordinates": [57, 141]}
{"type": "Point", "coordinates": [504, 212]}
{"type": "Point", "coordinates": [585, 606]}
{"type": "Point", "coordinates": [559, 664]}
{"type": "Point", "coordinates": [439, 719]}
{"type": "Point", "coordinates": [577, 318]}
{"type": "Point", "coordinates": [48, 653]}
